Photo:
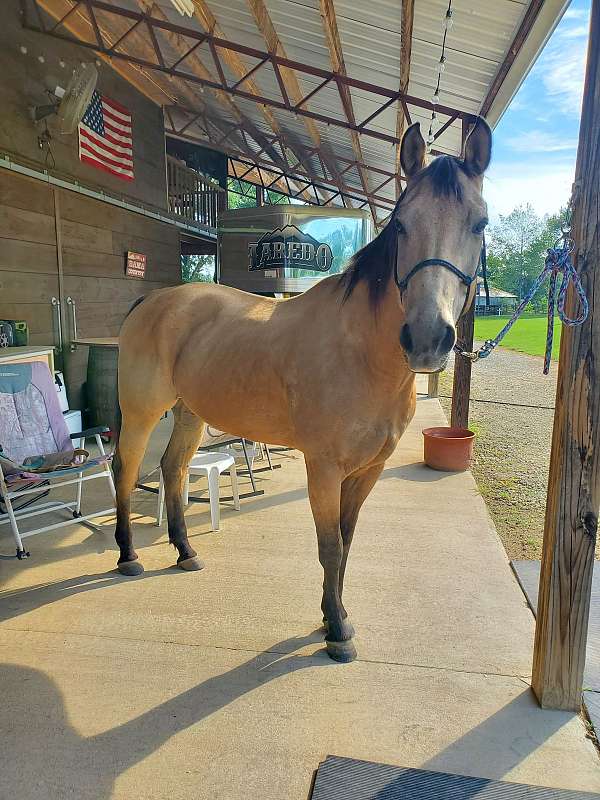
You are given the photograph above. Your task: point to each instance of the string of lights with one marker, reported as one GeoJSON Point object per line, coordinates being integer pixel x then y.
{"type": "Point", "coordinates": [447, 24]}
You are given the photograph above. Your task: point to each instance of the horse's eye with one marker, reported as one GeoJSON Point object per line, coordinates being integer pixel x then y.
{"type": "Point", "coordinates": [400, 227]}
{"type": "Point", "coordinates": [480, 227]}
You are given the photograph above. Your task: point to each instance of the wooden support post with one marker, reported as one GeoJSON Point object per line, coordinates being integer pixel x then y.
{"type": "Point", "coordinates": [433, 384]}
{"type": "Point", "coordinates": [574, 482]}
{"type": "Point", "coordinates": [461, 385]}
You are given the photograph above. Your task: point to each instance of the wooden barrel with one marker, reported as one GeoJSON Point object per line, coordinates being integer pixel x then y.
{"type": "Point", "coordinates": [101, 389]}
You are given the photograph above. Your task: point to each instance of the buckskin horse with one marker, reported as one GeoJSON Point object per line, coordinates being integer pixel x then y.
{"type": "Point", "coordinates": [330, 373]}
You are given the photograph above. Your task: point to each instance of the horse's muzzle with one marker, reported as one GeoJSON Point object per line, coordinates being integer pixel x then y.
{"type": "Point", "coordinates": [427, 353]}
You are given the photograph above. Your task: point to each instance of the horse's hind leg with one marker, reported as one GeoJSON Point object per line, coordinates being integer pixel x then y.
{"type": "Point", "coordinates": [184, 442]}
{"type": "Point", "coordinates": [133, 438]}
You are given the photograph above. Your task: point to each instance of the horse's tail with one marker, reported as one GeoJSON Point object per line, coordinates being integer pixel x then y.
{"type": "Point", "coordinates": [136, 303]}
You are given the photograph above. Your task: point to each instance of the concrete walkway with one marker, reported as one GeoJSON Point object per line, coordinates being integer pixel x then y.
{"type": "Point", "coordinates": [215, 684]}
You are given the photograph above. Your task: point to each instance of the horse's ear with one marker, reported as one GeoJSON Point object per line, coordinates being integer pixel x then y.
{"type": "Point", "coordinates": [478, 147]}
{"type": "Point", "coordinates": [412, 151]}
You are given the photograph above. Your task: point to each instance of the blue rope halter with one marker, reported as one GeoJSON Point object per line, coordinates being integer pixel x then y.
{"type": "Point", "coordinates": [558, 261]}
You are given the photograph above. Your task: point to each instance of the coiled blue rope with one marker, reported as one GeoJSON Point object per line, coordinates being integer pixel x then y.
{"type": "Point", "coordinates": [558, 262]}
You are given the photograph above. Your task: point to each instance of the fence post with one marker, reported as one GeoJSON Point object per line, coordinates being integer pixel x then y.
{"type": "Point", "coordinates": [433, 384]}
{"type": "Point", "coordinates": [461, 385]}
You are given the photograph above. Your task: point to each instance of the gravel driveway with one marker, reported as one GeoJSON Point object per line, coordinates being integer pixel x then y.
{"type": "Point", "coordinates": [513, 443]}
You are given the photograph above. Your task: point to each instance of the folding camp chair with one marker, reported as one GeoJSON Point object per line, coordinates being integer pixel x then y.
{"type": "Point", "coordinates": [36, 453]}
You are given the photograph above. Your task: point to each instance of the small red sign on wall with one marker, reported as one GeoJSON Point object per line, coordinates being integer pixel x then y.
{"type": "Point", "coordinates": [136, 265]}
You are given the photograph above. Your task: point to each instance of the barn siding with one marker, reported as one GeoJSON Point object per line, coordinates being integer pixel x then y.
{"type": "Point", "coordinates": [24, 82]}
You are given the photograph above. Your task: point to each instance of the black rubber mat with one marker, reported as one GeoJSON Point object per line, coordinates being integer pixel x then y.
{"type": "Point", "coordinates": [528, 575]}
{"type": "Point", "coordinates": [348, 779]}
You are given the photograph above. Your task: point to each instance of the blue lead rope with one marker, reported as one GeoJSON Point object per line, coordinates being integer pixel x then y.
{"type": "Point", "coordinates": [558, 261]}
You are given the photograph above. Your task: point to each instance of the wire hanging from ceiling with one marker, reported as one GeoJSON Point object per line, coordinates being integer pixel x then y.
{"type": "Point", "coordinates": [446, 24]}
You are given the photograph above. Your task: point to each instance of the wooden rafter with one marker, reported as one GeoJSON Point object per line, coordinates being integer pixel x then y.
{"type": "Point", "coordinates": [208, 21]}
{"type": "Point", "coordinates": [273, 59]}
{"type": "Point", "coordinates": [336, 55]}
{"type": "Point", "coordinates": [135, 47]}
{"type": "Point", "coordinates": [290, 80]}
{"type": "Point", "coordinates": [196, 66]}
{"type": "Point", "coordinates": [69, 15]}
{"type": "Point", "coordinates": [79, 19]}
{"type": "Point", "coordinates": [406, 32]}
{"type": "Point", "coordinates": [297, 173]}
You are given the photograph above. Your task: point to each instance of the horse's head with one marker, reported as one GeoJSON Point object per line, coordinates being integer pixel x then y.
{"type": "Point", "coordinates": [438, 227]}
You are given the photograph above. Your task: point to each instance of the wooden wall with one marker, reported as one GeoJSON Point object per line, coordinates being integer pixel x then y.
{"type": "Point", "coordinates": [88, 263]}
{"type": "Point", "coordinates": [94, 237]}
{"type": "Point", "coordinates": [24, 83]}
{"type": "Point", "coordinates": [28, 255]}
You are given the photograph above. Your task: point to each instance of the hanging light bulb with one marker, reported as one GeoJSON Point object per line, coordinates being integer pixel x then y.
{"type": "Point", "coordinates": [442, 64]}
{"type": "Point", "coordinates": [435, 99]}
{"type": "Point", "coordinates": [23, 49]}
{"type": "Point", "coordinates": [448, 21]}
{"type": "Point", "coordinates": [41, 59]}
{"type": "Point", "coordinates": [62, 63]}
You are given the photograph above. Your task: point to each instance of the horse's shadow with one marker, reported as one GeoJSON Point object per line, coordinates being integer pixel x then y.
{"type": "Point", "coordinates": [45, 756]}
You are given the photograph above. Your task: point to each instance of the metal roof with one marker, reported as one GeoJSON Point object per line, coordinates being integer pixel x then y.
{"type": "Point", "coordinates": [328, 138]}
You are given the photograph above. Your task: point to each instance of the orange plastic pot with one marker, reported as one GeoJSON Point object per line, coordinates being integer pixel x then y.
{"type": "Point", "coordinates": [448, 449]}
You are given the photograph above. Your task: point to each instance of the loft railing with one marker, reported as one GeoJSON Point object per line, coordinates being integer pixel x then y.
{"type": "Point", "coordinates": [192, 196]}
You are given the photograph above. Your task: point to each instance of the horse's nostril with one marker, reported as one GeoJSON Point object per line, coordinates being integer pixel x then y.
{"type": "Point", "coordinates": [406, 339]}
{"type": "Point", "coordinates": [448, 339]}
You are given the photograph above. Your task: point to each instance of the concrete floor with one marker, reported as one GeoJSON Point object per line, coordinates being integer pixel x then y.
{"type": "Point", "coordinates": [215, 684]}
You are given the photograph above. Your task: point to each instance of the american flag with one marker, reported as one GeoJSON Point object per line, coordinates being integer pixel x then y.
{"type": "Point", "coordinates": [105, 137]}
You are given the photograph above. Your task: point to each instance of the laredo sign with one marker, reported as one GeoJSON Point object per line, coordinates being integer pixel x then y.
{"type": "Point", "coordinates": [289, 247]}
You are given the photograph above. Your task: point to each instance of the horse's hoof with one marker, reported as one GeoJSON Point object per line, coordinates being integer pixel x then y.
{"type": "Point", "coordinates": [344, 652]}
{"type": "Point", "coordinates": [191, 564]}
{"type": "Point", "coordinates": [130, 568]}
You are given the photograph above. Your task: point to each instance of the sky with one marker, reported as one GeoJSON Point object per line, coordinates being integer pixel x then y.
{"type": "Point", "coordinates": [535, 142]}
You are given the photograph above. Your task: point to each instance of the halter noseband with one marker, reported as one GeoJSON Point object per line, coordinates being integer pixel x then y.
{"type": "Point", "coordinates": [428, 262]}
{"type": "Point", "coordinates": [468, 281]}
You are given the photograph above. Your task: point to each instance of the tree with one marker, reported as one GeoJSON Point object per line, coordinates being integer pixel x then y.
{"type": "Point", "coordinates": [513, 251]}
{"type": "Point", "coordinates": [197, 268]}
{"type": "Point", "coordinates": [517, 250]}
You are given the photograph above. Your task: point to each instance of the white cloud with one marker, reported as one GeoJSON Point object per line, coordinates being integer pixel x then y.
{"type": "Point", "coordinates": [538, 141]}
{"type": "Point", "coordinates": [545, 187]}
{"type": "Point", "coordinates": [562, 67]}
{"type": "Point", "coordinates": [576, 13]}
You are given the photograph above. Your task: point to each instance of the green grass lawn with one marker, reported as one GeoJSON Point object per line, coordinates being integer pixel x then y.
{"type": "Point", "coordinates": [528, 334]}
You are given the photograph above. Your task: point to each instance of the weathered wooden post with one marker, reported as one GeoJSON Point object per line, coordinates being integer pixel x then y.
{"type": "Point", "coordinates": [574, 483]}
{"type": "Point", "coordinates": [461, 384]}
{"type": "Point", "coordinates": [433, 384]}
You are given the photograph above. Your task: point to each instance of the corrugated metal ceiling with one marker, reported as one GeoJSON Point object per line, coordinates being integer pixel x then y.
{"type": "Point", "coordinates": [370, 37]}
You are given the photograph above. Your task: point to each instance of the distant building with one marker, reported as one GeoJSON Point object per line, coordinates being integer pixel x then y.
{"type": "Point", "coordinates": [501, 302]}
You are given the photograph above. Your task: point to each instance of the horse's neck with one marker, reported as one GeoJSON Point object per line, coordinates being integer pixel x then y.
{"type": "Point", "coordinates": [377, 330]}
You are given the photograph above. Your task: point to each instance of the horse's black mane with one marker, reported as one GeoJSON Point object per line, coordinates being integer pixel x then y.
{"type": "Point", "coordinates": [375, 262]}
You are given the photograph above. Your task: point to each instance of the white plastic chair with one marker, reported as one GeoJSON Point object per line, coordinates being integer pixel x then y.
{"type": "Point", "coordinates": [211, 465]}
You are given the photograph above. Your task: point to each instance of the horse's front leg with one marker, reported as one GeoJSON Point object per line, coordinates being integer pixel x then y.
{"type": "Point", "coordinates": [355, 490]}
{"type": "Point", "coordinates": [324, 490]}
